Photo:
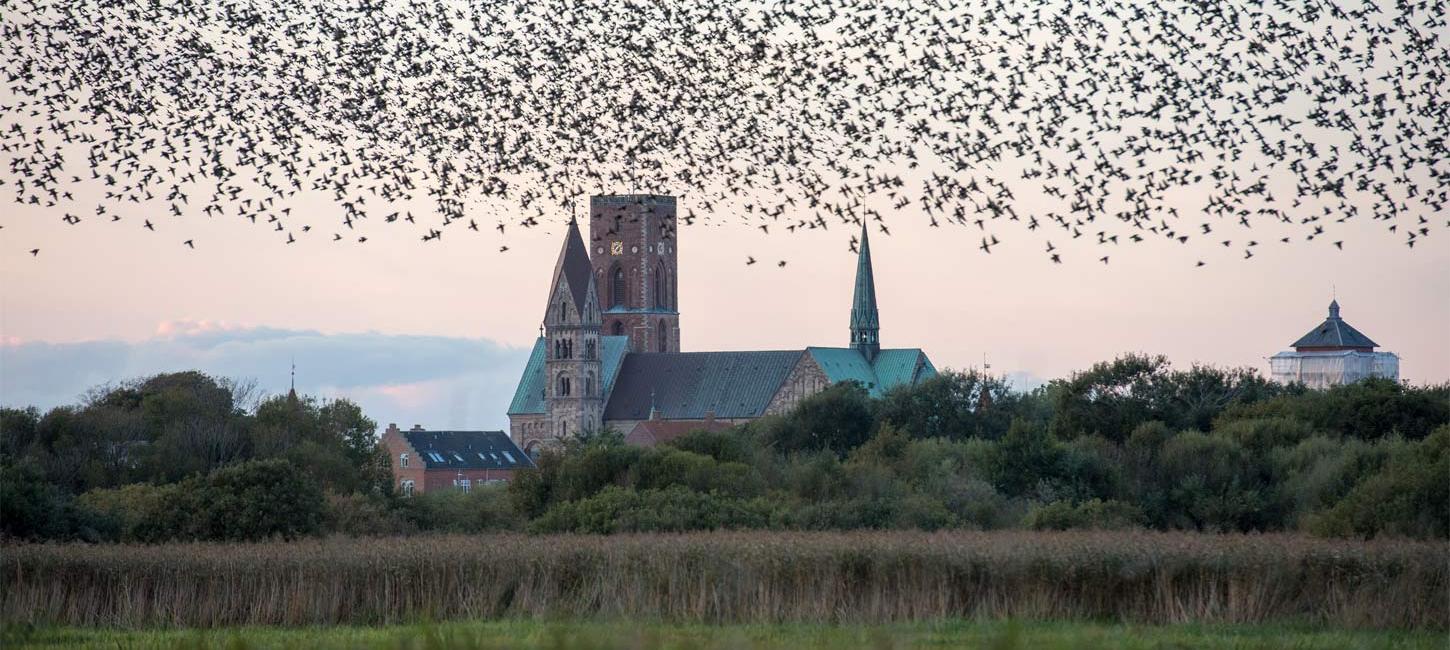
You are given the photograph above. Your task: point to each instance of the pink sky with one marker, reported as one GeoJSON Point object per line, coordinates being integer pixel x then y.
{"type": "Point", "coordinates": [104, 280]}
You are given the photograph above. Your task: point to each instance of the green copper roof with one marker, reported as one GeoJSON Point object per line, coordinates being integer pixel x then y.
{"type": "Point", "coordinates": [529, 396]}
{"type": "Point", "coordinates": [891, 368]}
{"type": "Point", "coordinates": [686, 385]}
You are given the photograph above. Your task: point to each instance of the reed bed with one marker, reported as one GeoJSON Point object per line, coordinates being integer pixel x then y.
{"type": "Point", "coordinates": [746, 577]}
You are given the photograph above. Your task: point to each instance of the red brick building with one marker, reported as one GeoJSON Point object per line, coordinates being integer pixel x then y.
{"type": "Point", "coordinates": [425, 461]}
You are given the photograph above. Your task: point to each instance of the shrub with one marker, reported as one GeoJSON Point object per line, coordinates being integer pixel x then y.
{"type": "Point", "coordinates": [1096, 513]}
{"type": "Point", "coordinates": [261, 499]}
{"type": "Point", "coordinates": [484, 508]}
{"type": "Point", "coordinates": [729, 446]}
{"type": "Point", "coordinates": [31, 508]}
{"type": "Point", "coordinates": [616, 510]}
{"type": "Point", "coordinates": [1262, 434]}
{"type": "Point", "coordinates": [1409, 496]}
{"type": "Point", "coordinates": [837, 419]}
{"type": "Point", "coordinates": [149, 513]}
{"type": "Point", "coordinates": [1210, 482]}
{"type": "Point", "coordinates": [360, 515]}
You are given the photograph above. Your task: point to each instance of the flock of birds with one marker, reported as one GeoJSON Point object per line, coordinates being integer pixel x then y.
{"type": "Point", "coordinates": [1234, 122]}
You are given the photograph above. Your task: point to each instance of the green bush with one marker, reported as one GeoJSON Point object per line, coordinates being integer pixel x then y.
{"type": "Point", "coordinates": [1095, 513]}
{"type": "Point", "coordinates": [362, 515]}
{"type": "Point", "coordinates": [484, 508]}
{"type": "Point", "coordinates": [149, 513]}
{"type": "Point", "coordinates": [260, 499]}
{"type": "Point", "coordinates": [1409, 496]}
{"type": "Point", "coordinates": [617, 510]}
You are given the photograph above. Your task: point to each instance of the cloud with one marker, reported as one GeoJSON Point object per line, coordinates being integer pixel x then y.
{"type": "Point", "coordinates": [436, 381]}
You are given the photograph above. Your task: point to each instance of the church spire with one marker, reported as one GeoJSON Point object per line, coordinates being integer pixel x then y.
{"type": "Point", "coordinates": [865, 323]}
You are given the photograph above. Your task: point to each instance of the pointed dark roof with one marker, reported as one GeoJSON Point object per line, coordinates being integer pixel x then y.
{"type": "Point", "coordinates": [573, 265]}
{"type": "Point", "coordinates": [1334, 333]}
{"type": "Point", "coordinates": [864, 316]}
{"type": "Point", "coordinates": [863, 302]}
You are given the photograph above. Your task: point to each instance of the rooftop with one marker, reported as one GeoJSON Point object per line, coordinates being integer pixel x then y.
{"type": "Point", "coordinates": [1334, 333]}
{"type": "Point", "coordinates": [467, 449]}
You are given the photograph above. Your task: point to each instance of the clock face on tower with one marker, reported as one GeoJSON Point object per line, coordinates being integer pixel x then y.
{"type": "Point", "coordinates": [616, 248]}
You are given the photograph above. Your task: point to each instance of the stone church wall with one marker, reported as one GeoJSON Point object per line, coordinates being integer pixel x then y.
{"type": "Point", "coordinates": [806, 379]}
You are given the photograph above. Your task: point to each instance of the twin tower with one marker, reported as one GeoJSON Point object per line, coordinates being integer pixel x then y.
{"type": "Point", "coordinates": [622, 284]}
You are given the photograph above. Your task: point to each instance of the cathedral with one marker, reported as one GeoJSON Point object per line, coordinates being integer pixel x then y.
{"type": "Point", "coordinates": [609, 354]}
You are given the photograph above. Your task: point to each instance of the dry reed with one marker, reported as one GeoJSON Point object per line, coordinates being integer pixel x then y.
{"type": "Point", "coordinates": [736, 577]}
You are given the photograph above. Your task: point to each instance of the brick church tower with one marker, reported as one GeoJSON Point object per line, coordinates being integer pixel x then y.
{"type": "Point", "coordinates": [572, 369]}
{"type": "Point", "coordinates": [635, 265]}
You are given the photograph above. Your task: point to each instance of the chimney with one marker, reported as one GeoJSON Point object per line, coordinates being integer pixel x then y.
{"type": "Point", "coordinates": [392, 428]}
{"type": "Point", "coordinates": [417, 427]}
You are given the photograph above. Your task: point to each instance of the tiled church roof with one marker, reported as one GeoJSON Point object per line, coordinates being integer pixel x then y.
{"type": "Point", "coordinates": [892, 368]}
{"type": "Point", "coordinates": [689, 385]}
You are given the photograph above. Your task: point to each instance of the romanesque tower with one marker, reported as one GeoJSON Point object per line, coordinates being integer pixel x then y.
{"type": "Point", "coordinates": [573, 394]}
{"type": "Point", "coordinates": [635, 265]}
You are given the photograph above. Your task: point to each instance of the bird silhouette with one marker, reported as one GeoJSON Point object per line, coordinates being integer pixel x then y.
{"type": "Point", "coordinates": [1242, 122]}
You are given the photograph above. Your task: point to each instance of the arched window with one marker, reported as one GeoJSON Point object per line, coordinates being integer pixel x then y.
{"type": "Point", "coordinates": [403, 460]}
{"type": "Point", "coordinates": [619, 328]}
{"type": "Point", "coordinates": [589, 385]}
{"type": "Point", "coordinates": [659, 287]}
{"type": "Point", "coordinates": [617, 287]}
{"type": "Point", "coordinates": [664, 337]}
{"type": "Point", "coordinates": [589, 349]}
{"type": "Point", "coordinates": [563, 390]}
{"type": "Point", "coordinates": [532, 449]}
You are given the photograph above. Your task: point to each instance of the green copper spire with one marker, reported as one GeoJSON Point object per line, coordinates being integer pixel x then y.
{"type": "Point", "coordinates": [865, 324]}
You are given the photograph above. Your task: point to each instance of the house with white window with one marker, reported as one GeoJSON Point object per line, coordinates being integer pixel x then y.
{"type": "Point", "coordinates": [426, 461]}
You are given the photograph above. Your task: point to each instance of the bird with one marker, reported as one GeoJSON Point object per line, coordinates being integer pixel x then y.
{"type": "Point", "coordinates": [189, 244]}
{"type": "Point", "coordinates": [36, 251]}
{"type": "Point", "coordinates": [749, 261]}
{"type": "Point", "coordinates": [756, 129]}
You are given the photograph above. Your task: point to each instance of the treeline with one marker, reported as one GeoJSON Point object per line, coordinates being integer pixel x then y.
{"type": "Point", "coordinates": [1130, 443]}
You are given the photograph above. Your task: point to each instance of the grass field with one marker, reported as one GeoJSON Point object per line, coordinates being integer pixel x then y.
{"type": "Point", "coordinates": [735, 578]}
{"type": "Point", "coordinates": [610, 636]}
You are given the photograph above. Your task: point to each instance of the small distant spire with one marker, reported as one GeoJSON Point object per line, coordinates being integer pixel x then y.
{"type": "Point", "coordinates": [1334, 308]}
{"type": "Point", "coordinates": [292, 391]}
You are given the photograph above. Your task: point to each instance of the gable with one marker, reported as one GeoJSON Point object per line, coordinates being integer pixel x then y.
{"type": "Point", "coordinates": [892, 368]}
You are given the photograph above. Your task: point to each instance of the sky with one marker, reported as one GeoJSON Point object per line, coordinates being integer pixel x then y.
{"type": "Point", "coordinates": [437, 334]}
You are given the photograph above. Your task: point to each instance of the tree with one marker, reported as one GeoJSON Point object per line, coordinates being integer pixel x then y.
{"type": "Point", "coordinates": [951, 405]}
{"type": "Point", "coordinates": [837, 419]}
{"type": "Point", "coordinates": [261, 499]}
{"type": "Point", "coordinates": [1108, 400]}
